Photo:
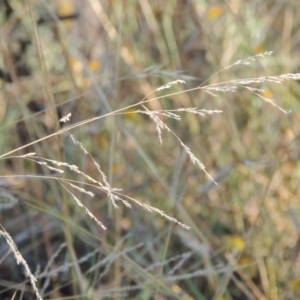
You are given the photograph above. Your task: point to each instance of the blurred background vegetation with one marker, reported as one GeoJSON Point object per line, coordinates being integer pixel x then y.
{"type": "Point", "coordinates": [90, 57]}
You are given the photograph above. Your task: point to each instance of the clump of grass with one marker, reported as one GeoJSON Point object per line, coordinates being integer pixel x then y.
{"type": "Point", "coordinates": [159, 118]}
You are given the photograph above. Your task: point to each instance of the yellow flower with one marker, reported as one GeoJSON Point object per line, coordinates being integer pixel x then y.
{"type": "Point", "coordinates": [214, 12]}
{"type": "Point", "coordinates": [235, 241]}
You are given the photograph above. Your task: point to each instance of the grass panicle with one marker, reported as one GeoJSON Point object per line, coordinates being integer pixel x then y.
{"type": "Point", "coordinates": [20, 260]}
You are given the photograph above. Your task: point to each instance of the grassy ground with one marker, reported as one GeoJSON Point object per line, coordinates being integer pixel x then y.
{"type": "Point", "coordinates": [108, 64]}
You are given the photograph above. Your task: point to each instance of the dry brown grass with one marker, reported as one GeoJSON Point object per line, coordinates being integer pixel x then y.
{"type": "Point", "coordinates": [129, 128]}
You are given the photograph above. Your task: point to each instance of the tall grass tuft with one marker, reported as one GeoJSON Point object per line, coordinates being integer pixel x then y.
{"type": "Point", "coordinates": [160, 118]}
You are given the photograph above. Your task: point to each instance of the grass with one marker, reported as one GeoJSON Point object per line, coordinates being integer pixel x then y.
{"type": "Point", "coordinates": [106, 72]}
